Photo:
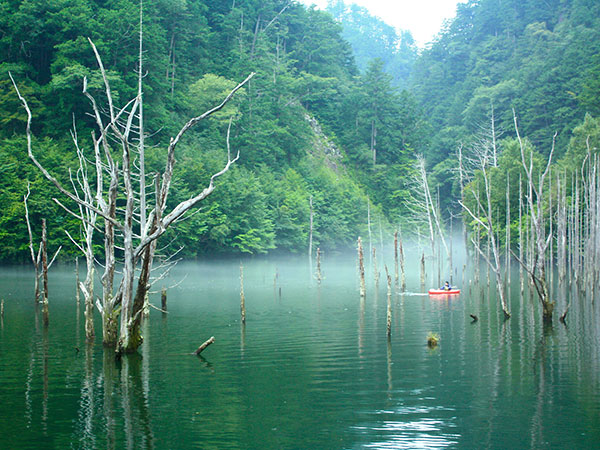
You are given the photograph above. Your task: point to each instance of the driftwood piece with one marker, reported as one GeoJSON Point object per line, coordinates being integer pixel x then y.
{"type": "Point", "coordinates": [204, 345]}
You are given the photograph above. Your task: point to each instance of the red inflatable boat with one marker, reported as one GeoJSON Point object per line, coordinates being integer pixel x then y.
{"type": "Point", "coordinates": [443, 291]}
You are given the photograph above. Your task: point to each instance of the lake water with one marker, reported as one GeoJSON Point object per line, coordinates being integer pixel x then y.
{"type": "Point", "coordinates": [311, 369]}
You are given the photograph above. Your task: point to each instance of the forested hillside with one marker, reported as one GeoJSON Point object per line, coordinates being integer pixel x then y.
{"type": "Point", "coordinates": [194, 52]}
{"type": "Point", "coordinates": [317, 122]}
{"type": "Point", "coordinates": [538, 57]}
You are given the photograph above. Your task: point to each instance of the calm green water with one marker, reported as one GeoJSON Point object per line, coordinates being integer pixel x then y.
{"type": "Point", "coordinates": [312, 368]}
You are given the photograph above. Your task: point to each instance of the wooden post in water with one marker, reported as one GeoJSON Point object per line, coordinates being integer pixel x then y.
{"type": "Point", "coordinates": [396, 255]}
{"type": "Point", "coordinates": [242, 297]}
{"type": "Point", "coordinates": [561, 228]}
{"type": "Point", "coordinates": [319, 276]}
{"type": "Point", "coordinates": [77, 279]}
{"type": "Point", "coordinates": [389, 303]}
{"type": "Point", "coordinates": [402, 271]}
{"type": "Point", "coordinates": [507, 243]}
{"type": "Point", "coordinates": [450, 260]}
{"type": "Point", "coordinates": [361, 269]}
{"type": "Point", "coordinates": [521, 281]}
{"type": "Point", "coordinates": [163, 299]}
{"type": "Point", "coordinates": [34, 259]}
{"type": "Point", "coordinates": [310, 235]}
{"type": "Point", "coordinates": [369, 227]}
{"type": "Point", "coordinates": [45, 314]}
{"type": "Point", "coordinates": [375, 269]}
{"type": "Point", "coordinates": [477, 236]}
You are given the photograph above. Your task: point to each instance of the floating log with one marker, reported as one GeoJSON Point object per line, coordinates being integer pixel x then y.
{"type": "Point", "coordinates": [204, 345]}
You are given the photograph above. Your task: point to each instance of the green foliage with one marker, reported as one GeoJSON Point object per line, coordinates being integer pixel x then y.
{"type": "Point", "coordinates": [585, 138]}
{"type": "Point", "coordinates": [539, 57]}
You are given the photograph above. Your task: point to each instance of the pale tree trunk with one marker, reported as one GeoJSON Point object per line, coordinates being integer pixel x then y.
{"type": "Point", "coordinates": [432, 209]}
{"type": "Point", "coordinates": [375, 269]}
{"type": "Point", "coordinates": [319, 276]}
{"type": "Point", "coordinates": [389, 303]}
{"type": "Point", "coordinates": [402, 271]}
{"type": "Point", "coordinates": [361, 269]}
{"type": "Point", "coordinates": [369, 229]}
{"type": "Point", "coordinates": [396, 256]}
{"type": "Point", "coordinates": [36, 260]}
{"type": "Point", "coordinates": [507, 238]}
{"type": "Point", "coordinates": [40, 261]}
{"type": "Point", "coordinates": [45, 313]}
{"type": "Point", "coordinates": [310, 232]}
{"type": "Point", "coordinates": [242, 296]}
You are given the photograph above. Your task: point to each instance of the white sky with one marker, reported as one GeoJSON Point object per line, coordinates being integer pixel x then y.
{"type": "Point", "coordinates": [423, 18]}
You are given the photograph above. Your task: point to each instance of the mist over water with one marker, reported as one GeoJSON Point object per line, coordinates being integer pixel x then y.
{"type": "Point", "coordinates": [312, 367]}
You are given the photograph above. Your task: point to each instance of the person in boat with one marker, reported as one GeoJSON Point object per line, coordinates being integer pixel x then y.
{"type": "Point", "coordinates": [446, 287]}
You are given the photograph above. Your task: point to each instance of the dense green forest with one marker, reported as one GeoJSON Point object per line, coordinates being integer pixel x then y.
{"type": "Point", "coordinates": [540, 58]}
{"type": "Point", "coordinates": [317, 123]}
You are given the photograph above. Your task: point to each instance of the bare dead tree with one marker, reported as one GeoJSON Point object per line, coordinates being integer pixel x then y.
{"type": "Point", "coordinates": [135, 247]}
{"type": "Point", "coordinates": [36, 258]}
{"type": "Point", "coordinates": [482, 215]}
{"type": "Point", "coordinates": [432, 208]}
{"type": "Point", "coordinates": [83, 190]}
{"type": "Point", "coordinates": [535, 196]}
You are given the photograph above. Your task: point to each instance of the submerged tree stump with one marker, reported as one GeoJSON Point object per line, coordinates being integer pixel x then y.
{"type": "Point", "coordinates": [389, 303]}
{"type": "Point", "coordinates": [163, 299]}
